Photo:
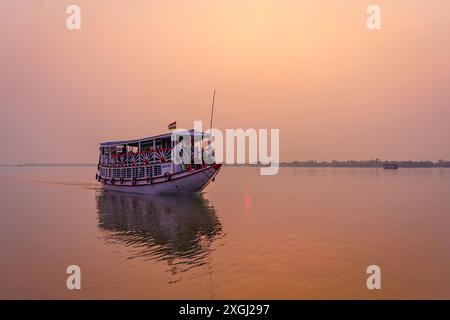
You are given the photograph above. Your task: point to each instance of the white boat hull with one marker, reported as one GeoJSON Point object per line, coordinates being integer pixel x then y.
{"type": "Point", "coordinates": [184, 182]}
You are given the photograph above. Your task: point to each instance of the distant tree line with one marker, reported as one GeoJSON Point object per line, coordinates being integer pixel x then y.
{"type": "Point", "coordinates": [374, 163]}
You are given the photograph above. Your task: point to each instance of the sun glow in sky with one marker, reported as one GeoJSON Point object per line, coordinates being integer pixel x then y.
{"type": "Point", "coordinates": [310, 68]}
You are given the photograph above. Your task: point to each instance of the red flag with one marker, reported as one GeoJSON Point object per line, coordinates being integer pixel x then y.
{"type": "Point", "coordinates": [172, 125]}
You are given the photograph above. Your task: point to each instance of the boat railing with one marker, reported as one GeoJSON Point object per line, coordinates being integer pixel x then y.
{"type": "Point", "coordinates": [130, 173]}
{"type": "Point", "coordinates": [130, 159]}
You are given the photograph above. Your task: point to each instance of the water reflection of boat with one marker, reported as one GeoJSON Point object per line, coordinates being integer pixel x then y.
{"type": "Point", "coordinates": [177, 229]}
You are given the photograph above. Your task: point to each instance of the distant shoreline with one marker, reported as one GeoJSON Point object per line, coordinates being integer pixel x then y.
{"type": "Point", "coordinates": [49, 165]}
{"type": "Point", "coordinates": [356, 164]}
{"type": "Point", "coordinates": [294, 164]}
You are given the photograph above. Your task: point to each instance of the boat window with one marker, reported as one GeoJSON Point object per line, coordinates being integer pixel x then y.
{"type": "Point", "coordinates": [148, 171]}
{"type": "Point", "coordinates": [141, 172]}
{"type": "Point", "coordinates": [156, 170]}
{"type": "Point", "coordinates": [134, 172]}
{"type": "Point", "coordinates": [132, 149]}
{"type": "Point", "coordinates": [145, 147]}
{"type": "Point", "coordinates": [122, 149]}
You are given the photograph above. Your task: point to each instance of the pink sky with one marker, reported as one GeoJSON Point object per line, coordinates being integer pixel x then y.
{"type": "Point", "coordinates": [310, 68]}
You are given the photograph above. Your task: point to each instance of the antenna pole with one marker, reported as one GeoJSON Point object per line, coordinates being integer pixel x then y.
{"type": "Point", "coordinates": [212, 109]}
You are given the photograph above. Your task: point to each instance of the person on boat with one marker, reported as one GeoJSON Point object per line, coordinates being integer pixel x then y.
{"type": "Point", "coordinates": [208, 154]}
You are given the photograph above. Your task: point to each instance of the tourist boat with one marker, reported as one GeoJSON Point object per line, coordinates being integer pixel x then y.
{"type": "Point", "coordinates": [145, 166]}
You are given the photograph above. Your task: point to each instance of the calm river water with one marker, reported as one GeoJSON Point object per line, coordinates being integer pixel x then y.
{"type": "Point", "coordinates": [302, 234]}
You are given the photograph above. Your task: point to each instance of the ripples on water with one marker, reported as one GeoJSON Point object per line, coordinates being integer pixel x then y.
{"type": "Point", "coordinates": [175, 229]}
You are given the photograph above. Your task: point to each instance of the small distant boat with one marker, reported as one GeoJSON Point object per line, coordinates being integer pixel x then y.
{"type": "Point", "coordinates": [390, 166]}
{"type": "Point", "coordinates": [145, 166]}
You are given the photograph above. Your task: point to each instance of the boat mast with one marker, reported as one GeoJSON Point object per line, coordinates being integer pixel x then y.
{"type": "Point", "coordinates": [211, 122]}
{"type": "Point", "coordinates": [212, 109]}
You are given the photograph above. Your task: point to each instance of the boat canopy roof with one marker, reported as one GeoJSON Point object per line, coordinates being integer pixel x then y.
{"type": "Point", "coordinates": [192, 132]}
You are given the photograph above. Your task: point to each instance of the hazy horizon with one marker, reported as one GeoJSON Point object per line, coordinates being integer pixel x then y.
{"type": "Point", "coordinates": [310, 68]}
{"type": "Point", "coordinates": [318, 162]}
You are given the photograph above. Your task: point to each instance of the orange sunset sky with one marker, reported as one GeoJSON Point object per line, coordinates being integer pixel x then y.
{"type": "Point", "coordinates": [310, 68]}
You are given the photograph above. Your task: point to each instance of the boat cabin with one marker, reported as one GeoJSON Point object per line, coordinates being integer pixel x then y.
{"type": "Point", "coordinates": [145, 158]}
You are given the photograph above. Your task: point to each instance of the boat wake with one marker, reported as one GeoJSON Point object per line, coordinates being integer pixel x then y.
{"type": "Point", "coordinates": [82, 184]}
